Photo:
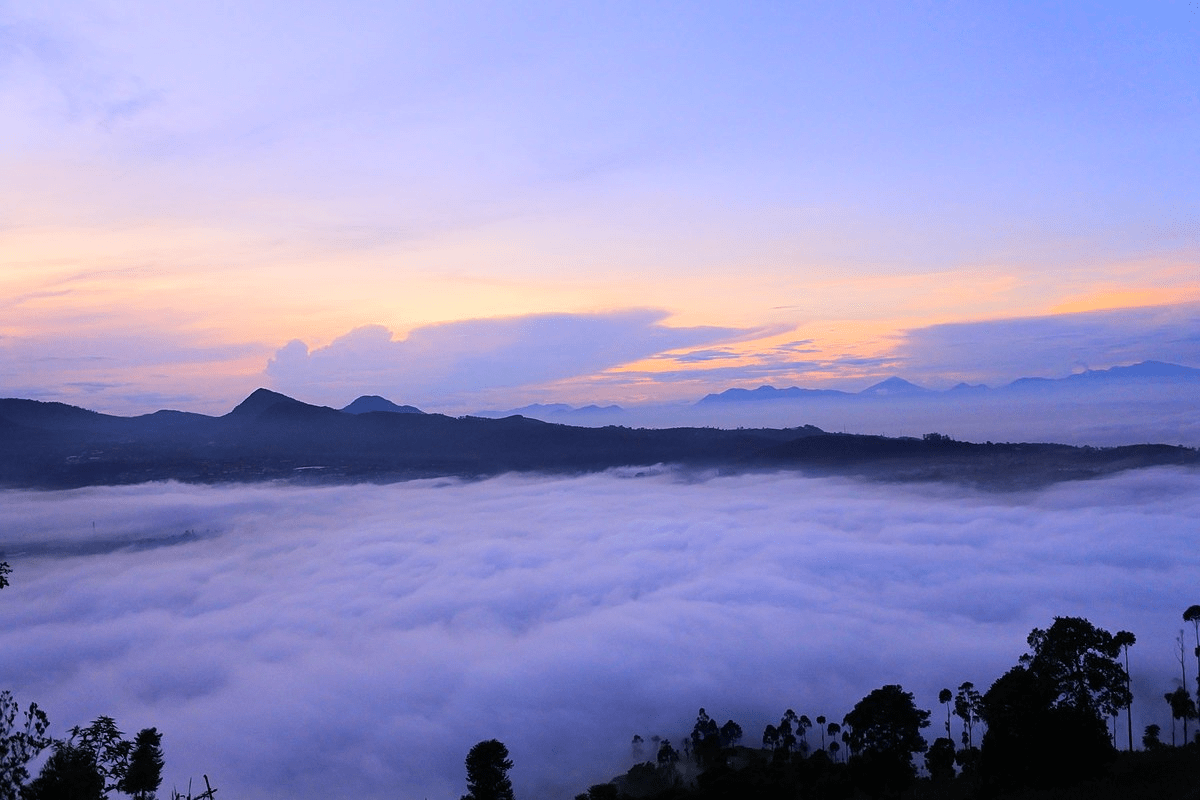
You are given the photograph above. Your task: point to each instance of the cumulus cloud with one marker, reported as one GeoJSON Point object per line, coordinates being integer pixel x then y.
{"type": "Point", "coordinates": [999, 351]}
{"type": "Point", "coordinates": [451, 359]}
{"type": "Point", "coordinates": [355, 641]}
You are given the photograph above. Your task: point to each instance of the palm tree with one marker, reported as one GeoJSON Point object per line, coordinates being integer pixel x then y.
{"type": "Point", "coordinates": [1192, 615]}
{"type": "Point", "coordinates": [944, 697]}
{"type": "Point", "coordinates": [1124, 639]}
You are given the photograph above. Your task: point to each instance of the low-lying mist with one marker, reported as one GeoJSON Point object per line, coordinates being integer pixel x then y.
{"type": "Point", "coordinates": [355, 641]}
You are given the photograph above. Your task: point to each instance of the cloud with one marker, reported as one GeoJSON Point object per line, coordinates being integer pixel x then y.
{"type": "Point", "coordinates": [999, 351]}
{"type": "Point", "coordinates": [466, 357]}
{"type": "Point", "coordinates": [355, 641]}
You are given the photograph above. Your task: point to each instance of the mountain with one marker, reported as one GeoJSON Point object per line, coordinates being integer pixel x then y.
{"type": "Point", "coordinates": [1157, 372]}
{"type": "Point", "coordinates": [560, 412]}
{"type": "Point", "coordinates": [258, 402]}
{"type": "Point", "coordinates": [769, 393]}
{"type": "Point", "coordinates": [270, 436]}
{"type": "Point", "coordinates": [369, 403]}
{"type": "Point", "coordinates": [893, 387]}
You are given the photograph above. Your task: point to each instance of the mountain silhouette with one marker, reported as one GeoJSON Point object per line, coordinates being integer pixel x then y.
{"type": "Point", "coordinates": [1157, 372]}
{"type": "Point", "coordinates": [270, 436]}
{"type": "Point", "coordinates": [369, 403]}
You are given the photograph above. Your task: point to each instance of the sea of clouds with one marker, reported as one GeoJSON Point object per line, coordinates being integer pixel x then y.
{"type": "Point", "coordinates": [355, 641]}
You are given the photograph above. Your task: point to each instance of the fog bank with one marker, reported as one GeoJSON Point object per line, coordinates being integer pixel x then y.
{"type": "Point", "coordinates": [355, 641]}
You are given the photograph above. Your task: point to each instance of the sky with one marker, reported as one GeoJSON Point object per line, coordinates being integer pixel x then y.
{"type": "Point", "coordinates": [465, 206]}
{"type": "Point", "coordinates": [356, 641]}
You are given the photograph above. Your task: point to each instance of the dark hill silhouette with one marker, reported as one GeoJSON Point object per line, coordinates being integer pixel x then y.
{"type": "Point", "coordinates": [258, 402]}
{"type": "Point", "coordinates": [271, 436]}
{"type": "Point", "coordinates": [370, 403]}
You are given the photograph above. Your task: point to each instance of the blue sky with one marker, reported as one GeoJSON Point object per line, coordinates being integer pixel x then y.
{"type": "Point", "coordinates": [192, 188]}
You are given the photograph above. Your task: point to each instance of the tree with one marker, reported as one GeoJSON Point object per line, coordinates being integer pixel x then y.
{"type": "Point", "coordinates": [487, 772]}
{"type": "Point", "coordinates": [1181, 655]}
{"type": "Point", "coordinates": [71, 773]}
{"type": "Point", "coordinates": [944, 697]}
{"type": "Point", "coordinates": [1182, 707]}
{"type": "Point", "coordinates": [706, 740]}
{"type": "Point", "coordinates": [1125, 640]}
{"type": "Point", "coordinates": [967, 704]}
{"type": "Point", "coordinates": [1078, 662]}
{"type": "Point", "coordinates": [821, 727]}
{"type": "Point", "coordinates": [940, 760]}
{"type": "Point", "coordinates": [19, 743]}
{"type": "Point", "coordinates": [731, 734]}
{"type": "Point", "coordinates": [803, 725]}
{"type": "Point", "coordinates": [109, 750]}
{"type": "Point", "coordinates": [1192, 615]}
{"type": "Point", "coordinates": [1046, 718]}
{"type": "Point", "coordinates": [885, 730]}
{"type": "Point", "coordinates": [667, 755]}
{"type": "Point", "coordinates": [5, 571]}
{"type": "Point", "coordinates": [145, 766]}
{"type": "Point", "coordinates": [1150, 739]}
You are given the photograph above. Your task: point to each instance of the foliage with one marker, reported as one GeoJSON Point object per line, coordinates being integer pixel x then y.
{"type": "Point", "coordinates": [71, 773]}
{"type": "Point", "coordinates": [145, 766]}
{"type": "Point", "coordinates": [108, 749]}
{"type": "Point", "coordinates": [884, 732]}
{"type": "Point", "coordinates": [1046, 717]}
{"type": "Point", "coordinates": [5, 571]}
{"type": "Point", "coordinates": [1078, 661]}
{"type": "Point", "coordinates": [487, 772]}
{"type": "Point", "coordinates": [967, 706]}
{"type": "Point", "coordinates": [939, 759]}
{"type": "Point", "coordinates": [19, 744]}
{"type": "Point", "coordinates": [1150, 737]}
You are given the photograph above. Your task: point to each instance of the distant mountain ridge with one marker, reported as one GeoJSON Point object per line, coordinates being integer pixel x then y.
{"type": "Point", "coordinates": [270, 436]}
{"type": "Point", "coordinates": [1157, 371]}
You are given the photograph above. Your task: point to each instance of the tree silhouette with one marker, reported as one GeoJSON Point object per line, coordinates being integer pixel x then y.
{"type": "Point", "coordinates": [821, 727]}
{"type": "Point", "coordinates": [1078, 661]}
{"type": "Point", "coordinates": [19, 744]}
{"type": "Point", "coordinates": [109, 750]}
{"type": "Point", "coordinates": [1150, 739]}
{"type": "Point", "coordinates": [967, 705]}
{"type": "Point", "coordinates": [71, 773]}
{"type": "Point", "coordinates": [1192, 615]}
{"type": "Point", "coordinates": [487, 772]}
{"type": "Point", "coordinates": [145, 766]}
{"type": "Point", "coordinates": [1182, 707]}
{"type": "Point", "coordinates": [1125, 640]}
{"type": "Point", "coordinates": [939, 760]}
{"type": "Point", "coordinates": [885, 730]}
{"type": "Point", "coordinates": [5, 571]}
{"type": "Point", "coordinates": [1182, 657]}
{"type": "Point", "coordinates": [706, 740]}
{"type": "Point", "coordinates": [944, 697]}
{"type": "Point", "coordinates": [1046, 718]}
{"type": "Point", "coordinates": [667, 755]}
{"type": "Point", "coordinates": [731, 734]}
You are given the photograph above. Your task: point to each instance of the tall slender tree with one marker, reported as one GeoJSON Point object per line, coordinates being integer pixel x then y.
{"type": "Point", "coordinates": [1182, 707]}
{"type": "Point", "coordinates": [1124, 640]}
{"type": "Point", "coordinates": [1192, 615]}
{"type": "Point", "coordinates": [944, 697]}
{"type": "Point", "coordinates": [1181, 655]}
{"type": "Point", "coordinates": [967, 707]}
